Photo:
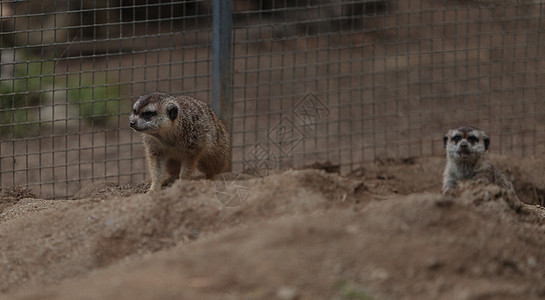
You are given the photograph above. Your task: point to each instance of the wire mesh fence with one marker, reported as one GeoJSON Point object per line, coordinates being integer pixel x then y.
{"type": "Point", "coordinates": [345, 82]}
{"type": "Point", "coordinates": [70, 71]}
{"type": "Point", "coordinates": [354, 81]}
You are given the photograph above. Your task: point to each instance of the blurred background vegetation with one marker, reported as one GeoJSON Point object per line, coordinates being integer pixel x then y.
{"type": "Point", "coordinates": [35, 97]}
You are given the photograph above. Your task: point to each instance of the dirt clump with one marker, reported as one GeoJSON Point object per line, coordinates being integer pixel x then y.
{"type": "Point", "coordinates": [10, 196]}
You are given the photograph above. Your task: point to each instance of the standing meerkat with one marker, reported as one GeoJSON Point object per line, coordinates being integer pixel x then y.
{"type": "Point", "coordinates": [180, 134]}
{"type": "Point", "coordinates": [466, 148]}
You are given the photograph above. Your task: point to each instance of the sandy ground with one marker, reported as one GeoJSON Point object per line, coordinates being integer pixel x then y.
{"type": "Point", "coordinates": [383, 232]}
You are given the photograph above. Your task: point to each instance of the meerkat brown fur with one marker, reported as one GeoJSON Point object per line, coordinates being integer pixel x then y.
{"type": "Point", "coordinates": [466, 148]}
{"type": "Point", "coordinates": [180, 134]}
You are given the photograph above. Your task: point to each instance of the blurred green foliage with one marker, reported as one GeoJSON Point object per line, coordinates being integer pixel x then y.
{"type": "Point", "coordinates": [350, 291]}
{"type": "Point", "coordinates": [96, 98]}
{"type": "Point", "coordinates": [20, 93]}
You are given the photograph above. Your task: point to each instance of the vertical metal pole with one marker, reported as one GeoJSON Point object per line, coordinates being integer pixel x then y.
{"type": "Point", "coordinates": [222, 95]}
{"type": "Point", "coordinates": [221, 59]}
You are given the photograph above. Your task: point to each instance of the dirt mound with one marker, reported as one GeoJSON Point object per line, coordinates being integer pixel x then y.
{"type": "Point", "coordinates": [529, 181]}
{"type": "Point", "coordinates": [77, 236]}
{"type": "Point", "coordinates": [303, 234]}
{"type": "Point", "coordinates": [417, 175]}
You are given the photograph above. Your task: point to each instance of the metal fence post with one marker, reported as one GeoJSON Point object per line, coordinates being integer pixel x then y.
{"type": "Point", "coordinates": [222, 95]}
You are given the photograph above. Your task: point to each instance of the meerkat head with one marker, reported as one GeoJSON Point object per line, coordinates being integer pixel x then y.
{"type": "Point", "coordinates": [154, 113]}
{"type": "Point", "coordinates": [466, 143]}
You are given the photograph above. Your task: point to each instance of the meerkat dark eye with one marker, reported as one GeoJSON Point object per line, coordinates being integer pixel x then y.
{"type": "Point", "coordinates": [456, 138]}
{"type": "Point", "coordinates": [148, 114]}
{"type": "Point", "coordinates": [473, 139]}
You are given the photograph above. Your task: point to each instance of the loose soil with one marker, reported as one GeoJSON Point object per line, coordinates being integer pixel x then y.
{"type": "Point", "coordinates": [383, 232]}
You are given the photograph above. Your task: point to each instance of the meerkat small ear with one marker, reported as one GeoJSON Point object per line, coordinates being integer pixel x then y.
{"type": "Point", "coordinates": [445, 140]}
{"type": "Point", "coordinates": [172, 111]}
{"type": "Point", "coordinates": [486, 142]}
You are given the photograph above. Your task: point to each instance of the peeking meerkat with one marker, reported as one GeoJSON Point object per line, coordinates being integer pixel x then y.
{"type": "Point", "coordinates": [466, 148]}
{"type": "Point", "coordinates": [180, 134]}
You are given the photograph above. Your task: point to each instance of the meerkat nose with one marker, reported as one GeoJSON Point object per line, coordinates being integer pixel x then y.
{"type": "Point", "coordinates": [133, 123]}
{"type": "Point", "coordinates": [463, 144]}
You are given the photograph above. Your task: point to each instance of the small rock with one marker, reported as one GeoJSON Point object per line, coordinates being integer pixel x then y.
{"type": "Point", "coordinates": [531, 261]}
{"type": "Point", "coordinates": [287, 293]}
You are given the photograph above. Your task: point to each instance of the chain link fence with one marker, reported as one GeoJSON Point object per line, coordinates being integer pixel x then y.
{"type": "Point", "coordinates": [338, 82]}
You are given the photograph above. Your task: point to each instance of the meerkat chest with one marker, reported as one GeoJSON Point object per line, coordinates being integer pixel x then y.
{"type": "Point", "coordinates": [465, 171]}
{"type": "Point", "coordinates": [179, 150]}
{"type": "Point", "coordinates": [174, 148]}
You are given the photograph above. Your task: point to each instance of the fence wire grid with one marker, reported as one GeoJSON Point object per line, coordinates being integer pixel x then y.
{"type": "Point", "coordinates": [345, 82]}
